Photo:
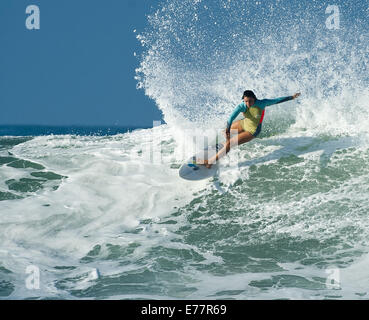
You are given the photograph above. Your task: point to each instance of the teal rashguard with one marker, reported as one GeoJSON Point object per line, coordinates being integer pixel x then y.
{"type": "Point", "coordinates": [254, 115]}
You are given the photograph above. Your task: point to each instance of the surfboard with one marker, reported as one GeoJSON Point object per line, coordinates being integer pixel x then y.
{"type": "Point", "coordinates": [190, 170]}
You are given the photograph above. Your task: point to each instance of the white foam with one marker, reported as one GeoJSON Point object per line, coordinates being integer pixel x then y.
{"type": "Point", "coordinates": [109, 188]}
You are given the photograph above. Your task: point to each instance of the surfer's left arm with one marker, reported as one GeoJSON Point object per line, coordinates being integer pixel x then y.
{"type": "Point", "coordinates": [269, 102]}
{"type": "Point", "coordinates": [240, 108]}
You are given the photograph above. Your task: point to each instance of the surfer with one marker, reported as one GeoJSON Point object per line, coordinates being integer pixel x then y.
{"type": "Point", "coordinates": [248, 128]}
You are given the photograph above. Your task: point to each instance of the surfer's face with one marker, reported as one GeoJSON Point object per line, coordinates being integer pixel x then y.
{"type": "Point", "coordinates": [249, 101]}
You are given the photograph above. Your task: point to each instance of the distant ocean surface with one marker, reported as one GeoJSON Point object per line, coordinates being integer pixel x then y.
{"type": "Point", "coordinates": [42, 130]}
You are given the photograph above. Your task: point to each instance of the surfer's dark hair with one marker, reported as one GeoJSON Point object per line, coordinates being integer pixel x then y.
{"type": "Point", "coordinates": [249, 94]}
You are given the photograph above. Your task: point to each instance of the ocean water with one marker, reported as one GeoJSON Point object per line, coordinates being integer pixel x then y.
{"type": "Point", "coordinates": [104, 215]}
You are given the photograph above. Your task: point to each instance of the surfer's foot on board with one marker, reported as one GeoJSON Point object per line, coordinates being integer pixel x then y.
{"type": "Point", "coordinates": [208, 165]}
{"type": "Point", "coordinates": [204, 162]}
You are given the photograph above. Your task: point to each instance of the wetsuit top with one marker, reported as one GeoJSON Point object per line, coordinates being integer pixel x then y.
{"type": "Point", "coordinates": [255, 114]}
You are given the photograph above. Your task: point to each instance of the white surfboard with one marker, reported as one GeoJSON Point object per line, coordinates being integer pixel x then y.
{"type": "Point", "coordinates": [190, 170]}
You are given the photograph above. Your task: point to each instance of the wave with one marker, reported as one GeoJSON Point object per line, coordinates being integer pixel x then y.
{"type": "Point", "coordinates": [199, 56]}
{"type": "Point", "coordinates": [286, 214]}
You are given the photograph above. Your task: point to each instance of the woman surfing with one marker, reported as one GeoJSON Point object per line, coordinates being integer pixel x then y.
{"type": "Point", "coordinates": [247, 128]}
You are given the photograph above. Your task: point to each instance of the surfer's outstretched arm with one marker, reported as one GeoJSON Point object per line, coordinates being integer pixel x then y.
{"type": "Point", "coordinates": [270, 102]}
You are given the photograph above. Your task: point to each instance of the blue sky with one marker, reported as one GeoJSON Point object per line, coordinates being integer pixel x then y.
{"type": "Point", "coordinates": [79, 68]}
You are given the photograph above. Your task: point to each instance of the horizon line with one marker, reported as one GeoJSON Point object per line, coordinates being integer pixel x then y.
{"type": "Point", "coordinates": [76, 125]}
